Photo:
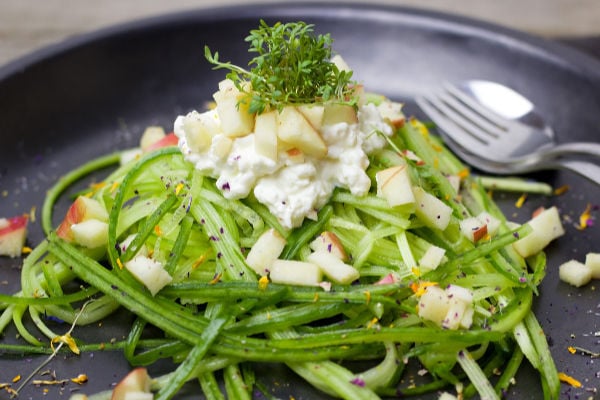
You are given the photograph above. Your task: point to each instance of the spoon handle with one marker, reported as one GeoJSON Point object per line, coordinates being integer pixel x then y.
{"type": "Point", "coordinates": [572, 148]}
{"type": "Point", "coordinates": [585, 169]}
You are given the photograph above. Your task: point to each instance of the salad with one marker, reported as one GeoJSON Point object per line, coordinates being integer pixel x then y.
{"type": "Point", "coordinates": [299, 220]}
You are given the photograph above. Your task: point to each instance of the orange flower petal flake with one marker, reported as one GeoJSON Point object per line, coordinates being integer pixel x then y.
{"type": "Point", "coordinates": [419, 288]}
{"type": "Point", "coordinates": [263, 282]}
{"type": "Point", "coordinates": [585, 219]}
{"type": "Point", "coordinates": [80, 379]}
{"type": "Point", "coordinates": [463, 173]}
{"type": "Point", "coordinates": [561, 190]}
{"type": "Point", "coordinates": [68, 340]}
{"type": "Point", "coordinates": [569, 380]}
{"type": "Point", "coordinates": [216, 279]}
{"type": "Point", "coordinates": [368, 296]}
{"type": "Point", "coordinates": [373, 322]}
{"type": "Point", "coordinates": [572, 349]}
{"type": "Point", "coordinates": [521, 200]}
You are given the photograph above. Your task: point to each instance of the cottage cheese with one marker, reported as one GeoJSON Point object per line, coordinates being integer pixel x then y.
{"type": "Point", "coordinates": [292, 189]}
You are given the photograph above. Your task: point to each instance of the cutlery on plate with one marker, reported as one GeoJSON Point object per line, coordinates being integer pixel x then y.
{"type": "Point", "coordinates": [497, 130]}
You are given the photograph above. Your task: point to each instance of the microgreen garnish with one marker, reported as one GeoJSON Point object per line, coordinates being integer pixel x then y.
{"type": "Point", "coordinates": [292, 66]}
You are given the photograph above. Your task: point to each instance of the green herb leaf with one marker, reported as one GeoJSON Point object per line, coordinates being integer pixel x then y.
{"type": "Point", "coordinates": [292, 66]}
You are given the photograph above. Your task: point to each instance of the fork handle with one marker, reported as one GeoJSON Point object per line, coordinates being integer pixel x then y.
{"type": "Point", "coordinates": [572, 148]}
{"type": "Point", "coordinates": [585, 169]}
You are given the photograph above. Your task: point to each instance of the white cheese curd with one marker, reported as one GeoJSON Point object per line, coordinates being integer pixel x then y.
{"type": "Point", "coordinates": [244, 166]}
{"type": "Point", "coordinates": [370, 122]}
{"type": "Point", "coordinates": [292, 190]}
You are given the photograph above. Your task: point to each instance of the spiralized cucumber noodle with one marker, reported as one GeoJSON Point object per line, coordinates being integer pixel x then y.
{"type": "Point", "coordinates": [217, 317]}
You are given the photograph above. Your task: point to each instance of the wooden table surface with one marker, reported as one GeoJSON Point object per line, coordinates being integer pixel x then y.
{"type": "Point", "coordinates": [27, 25]}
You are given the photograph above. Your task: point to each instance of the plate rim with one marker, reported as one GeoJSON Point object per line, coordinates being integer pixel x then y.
{"type": "Point", "coordinates": [565, 55]}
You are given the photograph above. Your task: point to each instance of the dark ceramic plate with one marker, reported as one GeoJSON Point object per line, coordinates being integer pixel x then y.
{"type": "Point", "coordinates": [95, 93]}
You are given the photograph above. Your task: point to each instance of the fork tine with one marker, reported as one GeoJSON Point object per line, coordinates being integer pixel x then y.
{"type": "Point", "coordinates": [460, 135]}
{"type": "Point", "coordinates": [474, 114]}
{"type": "Point", "coordinates": [477, 107]}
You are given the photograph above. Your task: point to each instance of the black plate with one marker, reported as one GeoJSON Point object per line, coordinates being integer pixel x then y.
{"type": "Point", "coordinates": [95, 93]}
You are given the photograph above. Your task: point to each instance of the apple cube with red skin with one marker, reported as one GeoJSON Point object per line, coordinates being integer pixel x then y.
{"type": "Point", "coordinates": [233, 108]}
{"type": "Point", "coordinates": [82, 209]}
{"type": "Point", "coordinates": [151, 135]}
{"type": "Point", "coordinates": [135, 385]}
{"type": "Point", "coordinates": [13, 232]}
{"type": "Point", "coordinates": [168, 140]}
{"type": "Point", "coordinates": [394, 185]}
{"type": "Point", "coordinates": [330, 242]}
{"type": "Point", "coordinates": [545, 227]}
{"type": "Point", "coordinates": [90, 233]}
{"type": "Point", "coordinates": [294, 129]}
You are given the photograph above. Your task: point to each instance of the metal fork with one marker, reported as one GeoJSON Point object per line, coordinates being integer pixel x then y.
{"type": "Point", "coordinates": [495, 143]}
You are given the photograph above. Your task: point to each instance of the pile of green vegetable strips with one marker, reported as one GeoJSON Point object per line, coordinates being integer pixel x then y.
{"type": "Point", "coordinates": [217, 317]}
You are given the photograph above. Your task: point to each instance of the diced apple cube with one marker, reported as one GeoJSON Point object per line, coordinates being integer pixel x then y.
{"type": "Point", "coordinates": [199, 129]}
{"type": "Point", "coordinates": [473, 229]}
{"type": "Point", "coordinates": [392, 112]}
{"type": "Point", "coordinates": [467, 319]}
{"type": "Point", "coordinates": [388, 279]}
{"type": "Point", "coordinates": [546, 226]}
{"type": "Point", "coordinates": [459, 293]}
{"type": "Point", "coordinates": [575, 273]}
{"type": "Point", "coordinates": [291, 272]}
{"type": "Point", "coordinates": [328, 241]}
{"type": "Point", "coordinates": [90, 233]}
{"type": "Point", "coordinates": [451, 308]}
{"type": "Point", "coordinates": [493, 223]}
{"type": "Point", "coordinates": [13, 232]}
{"type": "Point", "coordinates": [313, 114]}
{"type": "Point", "coordinates": [454, 315]}
{"type": "Point", "coordinates": [82, 209]}
{"type": "Point", "coordinates": [168, 140]}
{"type": "Point", "coordinates": [233, 109]}
{"type": "Point", "coordinates": [334, 268]}
{"type": "Point", "coordinates": [340, 63]}
{"type": "Point", "coordinates": [265, 134]}
{"type": "Point", "coordinates": [296, 131]}
{"type": "Point", "coordinates": [149, 272]}
{"type": "Point", "coordinates": [265, 251]}
{"type": "Point", "coordinates": [394, 185]}
{"type": "Point", "coordinates": [135, 386]}
{"type": "Point", "coordinates": [336, 113]}
{"type": "Point", "coordinates": [447, 396]}
{"type": "Point", "coordinates": [151, 135]}
{"type": "Point", "coordinates": [143, 250]}
{"type": "Point", "coordinates": [434, 304]}
{"type": "Point", "coordinates": [592, 260]}
{"type": "Point", "coordinates": [432, 258]}
{"type": "Point", "coordinates": [430, 210]}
